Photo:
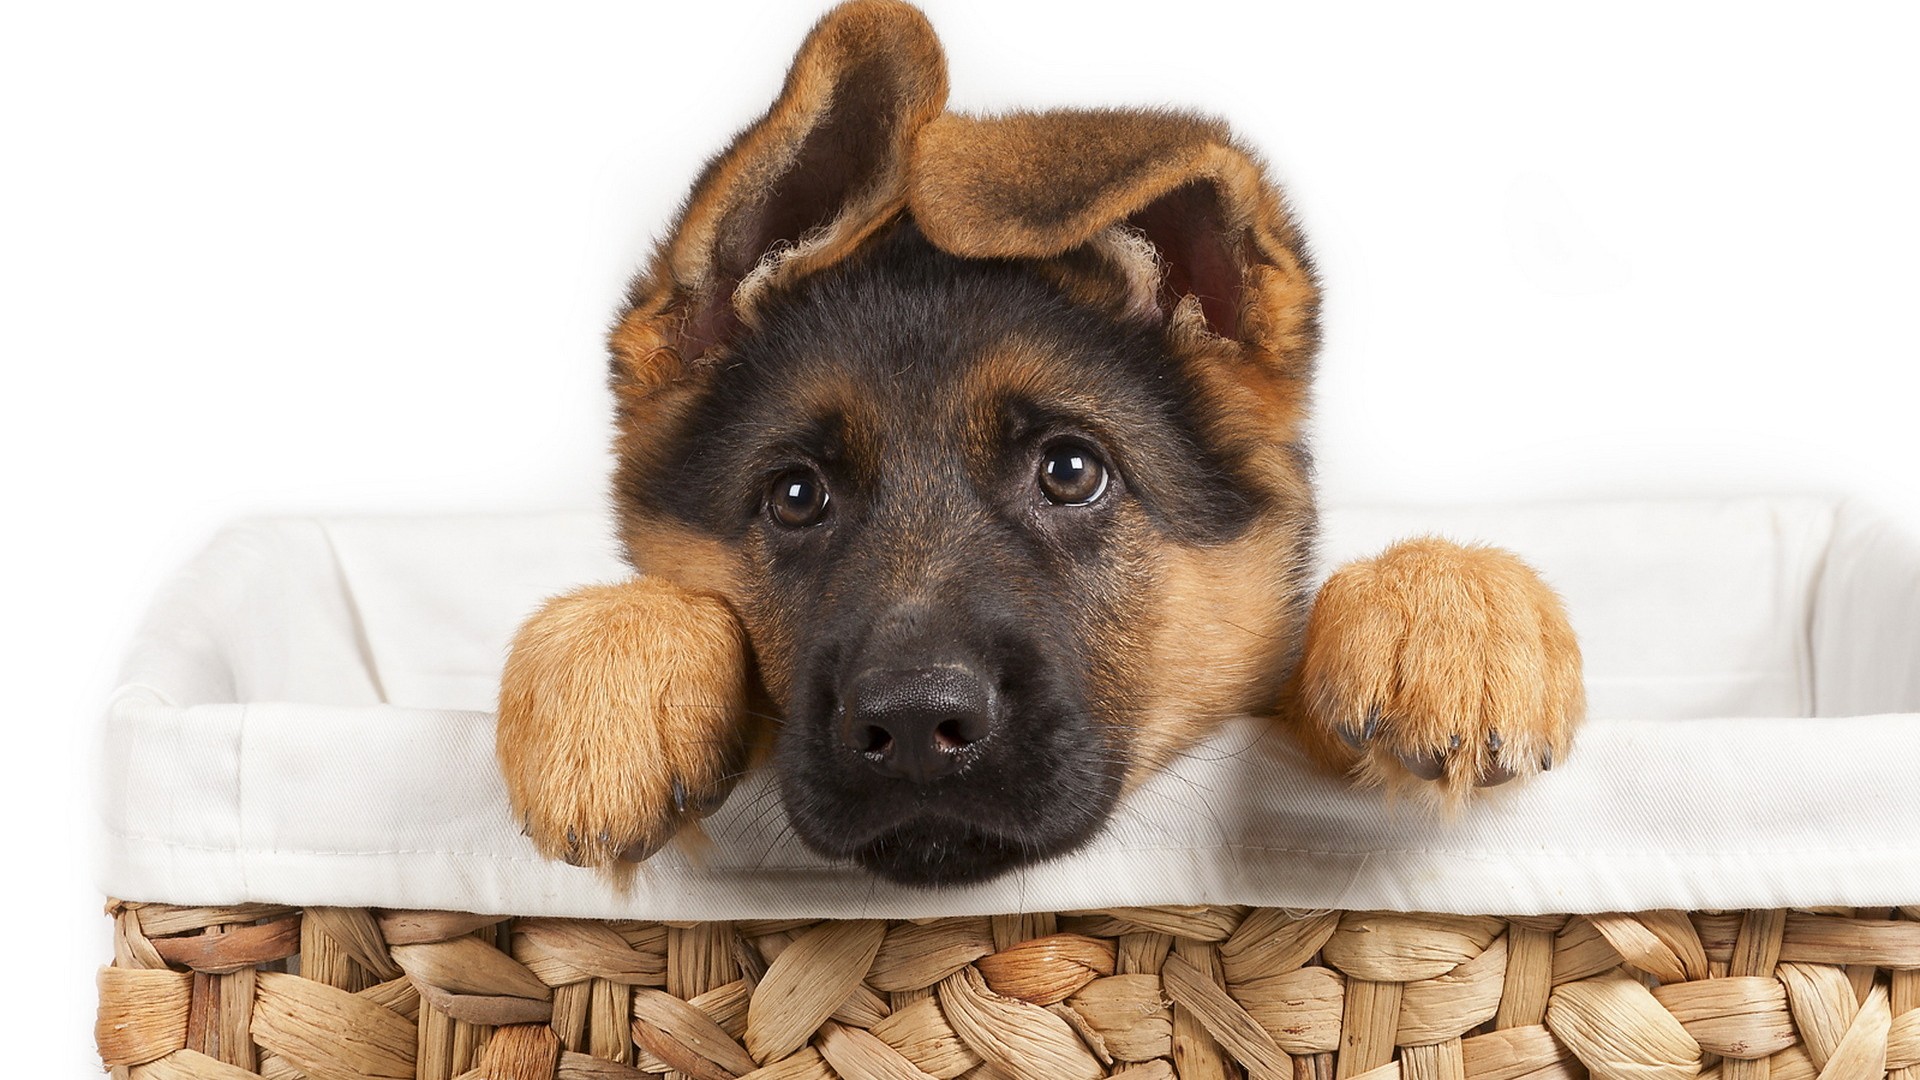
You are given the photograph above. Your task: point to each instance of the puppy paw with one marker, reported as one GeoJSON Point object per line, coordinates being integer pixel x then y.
{"type": "Point", "coordinates": [1441, 668]}
{"type": "Point", "coordinates": [622, 718]}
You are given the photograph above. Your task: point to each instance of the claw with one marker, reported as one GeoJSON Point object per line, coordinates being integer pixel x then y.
{"type": "Point", "coordinates": [526, 824]}
{"type": "Point", "coordinates": [573, 855]}
{"type": "Point", "coordinates": [1497, 771]}
{"type": "Point", "coordinates": [1546, 761]}
{"type": "Point", "coordinates": [1358, 740]}
{"type": "Point", "coordinates": [679, 796]}
{"type": "Point", "coordinates": [1426, 767]}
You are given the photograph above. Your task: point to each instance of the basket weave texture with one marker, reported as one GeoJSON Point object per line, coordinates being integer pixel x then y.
{"type": "Point", "coordinates": [1144, 993]}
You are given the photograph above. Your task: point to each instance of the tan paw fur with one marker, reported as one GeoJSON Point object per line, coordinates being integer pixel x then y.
{"type": "Point", "coordinates": [1439, 668]}
{"type": "Point", "coordinates": [622, 717]}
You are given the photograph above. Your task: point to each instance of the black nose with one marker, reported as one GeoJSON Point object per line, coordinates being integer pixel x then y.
{"type": "Point", "coordinates": [916, 724]}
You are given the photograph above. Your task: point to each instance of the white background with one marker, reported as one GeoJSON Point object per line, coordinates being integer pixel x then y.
{"type": "Point", "coordinates": [359, 257]}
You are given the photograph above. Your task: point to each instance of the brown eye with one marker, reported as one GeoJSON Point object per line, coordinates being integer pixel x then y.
{"type": "Point", "coordinates": [1071, 475]}
{"type": "Point", "coordinates": [797, 498]}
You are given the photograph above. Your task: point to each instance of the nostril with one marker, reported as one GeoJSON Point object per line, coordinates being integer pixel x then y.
{"type": "Point", "coordinates": [948, 736]}
{"type": "Point", "coordinates": [917, 724]}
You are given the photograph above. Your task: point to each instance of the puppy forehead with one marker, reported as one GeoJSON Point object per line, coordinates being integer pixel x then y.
{"type": "Point", "coordinates": [1024, 374]}
{"type": "Point", "coordinates": [863, 404]}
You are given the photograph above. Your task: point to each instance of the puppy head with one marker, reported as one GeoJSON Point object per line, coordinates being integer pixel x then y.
{"type": "Point", "coordinates": [989, 431]}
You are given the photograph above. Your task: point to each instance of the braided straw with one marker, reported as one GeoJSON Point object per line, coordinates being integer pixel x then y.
{"type": "Point", "coordinates": [1203, 993]}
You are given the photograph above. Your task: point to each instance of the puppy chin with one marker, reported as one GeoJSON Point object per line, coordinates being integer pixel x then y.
{"type": "Point", "coordinates": [932, 852]}
{"type": "Point", "coordinates": [953, 844]}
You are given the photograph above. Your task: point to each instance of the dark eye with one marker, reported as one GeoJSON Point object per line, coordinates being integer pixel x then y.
{"type": "Point", "coordinates": [1071, 474]}
{"type": "Point", "coordinates": [797, 498]}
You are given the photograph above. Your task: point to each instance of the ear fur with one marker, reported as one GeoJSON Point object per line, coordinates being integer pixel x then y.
{"type": "Point", "coordinates": [798, 189]}
{"type": "Point", "coordinates": [1043, 185]}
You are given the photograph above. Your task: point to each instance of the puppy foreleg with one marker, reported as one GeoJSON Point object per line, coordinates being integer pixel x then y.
{"type": "Point", "coordinates": [1438, 667]}
{"type": "Point", "coordinates": [623, 717]}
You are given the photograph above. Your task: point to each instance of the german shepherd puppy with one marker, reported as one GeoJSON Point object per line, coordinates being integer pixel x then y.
{"type": "Point", "coordinates": [973, 449]}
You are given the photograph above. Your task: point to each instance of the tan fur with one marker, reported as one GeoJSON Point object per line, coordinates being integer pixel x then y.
{"type": "Point", "coordinates": [1219, 647]}
{"type": "Point", "coordinates": [611, 697]}
{"type": "Point", "coordinates": [696, 563]}
{"type": "Point", "coordinates": [1262, 410]}
{"type": "Point", "coordinates": [1438, 642]}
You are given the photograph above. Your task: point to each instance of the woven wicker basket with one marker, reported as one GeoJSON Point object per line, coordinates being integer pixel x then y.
{"type": "Point", "coordinates": [1214, 992]}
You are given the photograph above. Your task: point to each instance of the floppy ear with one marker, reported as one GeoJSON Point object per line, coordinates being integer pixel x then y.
{"type": "Point", "coordinates": [1067, 183]}
{"type": "Point", "coordinates": [797, 190]}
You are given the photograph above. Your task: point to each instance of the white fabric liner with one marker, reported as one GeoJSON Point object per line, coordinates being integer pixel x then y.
{"type": "Point", "coordinates": [304, 719]}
